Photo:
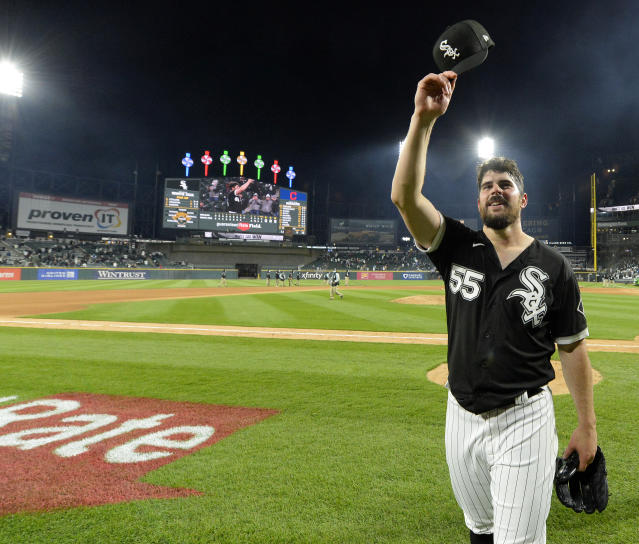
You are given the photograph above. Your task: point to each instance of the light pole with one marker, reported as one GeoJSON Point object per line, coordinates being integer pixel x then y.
{"type": "Point", "coordinates": [11, 85]}
{"type": "Point", "coordinates": [11, 80]}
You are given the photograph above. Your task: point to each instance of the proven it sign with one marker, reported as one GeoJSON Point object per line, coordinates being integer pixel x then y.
{"type": "Point", "coordinates": [47, 212]}
{"type": "Point", "coordinates": [86, 450]}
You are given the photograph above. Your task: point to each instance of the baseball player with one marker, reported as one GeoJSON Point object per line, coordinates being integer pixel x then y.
{"type": "Point", "coordinates": [509, 299]}
{"type": "Point", "coordinates": [223, 279]}
{"type": "Point", "coordinates": [334, 282]}
{"type": "Point", "coordinates": [268, 278]}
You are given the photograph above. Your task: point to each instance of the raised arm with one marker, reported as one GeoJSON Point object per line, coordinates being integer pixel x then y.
{"type": "Point", "coordinates": [431, 100]}
{"type": "Point", "coordinates": [243, 188]}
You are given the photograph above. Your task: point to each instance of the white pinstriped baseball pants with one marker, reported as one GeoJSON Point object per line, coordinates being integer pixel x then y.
{"type": "Point", "coordinates": [502, 465]}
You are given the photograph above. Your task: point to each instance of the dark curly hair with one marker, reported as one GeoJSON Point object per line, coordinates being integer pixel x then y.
{"type": "Point", "coordinates": [501, 164]}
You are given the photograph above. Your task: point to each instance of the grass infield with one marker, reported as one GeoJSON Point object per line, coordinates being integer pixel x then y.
{"type": "Point", "coordinates": [356, 453]}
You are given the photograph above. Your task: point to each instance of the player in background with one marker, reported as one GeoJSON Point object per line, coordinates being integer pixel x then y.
{"type": "Point", "coordinates": [235, 196]}
{"type": "Point", "coordinates": [509, 299]}
{"type": "Point", "coordinates": [346, 277]}
{"type": "Point", "coordinates": [223, 279]}
{"type": "Point", "coordinates": [290, 278]}
{"type": "Point", "coordinates": [334, 283]}
{"type": "Point", "coordinates": [298, 277]}
{"type": "Point", "coordinates": [268, 278]}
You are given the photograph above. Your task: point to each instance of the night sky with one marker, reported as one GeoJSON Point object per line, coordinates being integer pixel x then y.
{"type": "Point", "coordinates": [326, 87]}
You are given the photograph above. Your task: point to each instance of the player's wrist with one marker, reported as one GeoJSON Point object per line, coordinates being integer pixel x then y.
{"type": "Point", "coordinates": [423, 119]}
{"type": "Point", "coordinates": [588, 424]}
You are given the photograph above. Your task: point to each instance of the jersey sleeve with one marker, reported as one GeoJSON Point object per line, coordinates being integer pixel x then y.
{"type": "Point", "coordinates": [449, 239]}
{"type": "Point", "coordinates": [438, 237]}
{"type": "Point", "coordinates": [568, 322]}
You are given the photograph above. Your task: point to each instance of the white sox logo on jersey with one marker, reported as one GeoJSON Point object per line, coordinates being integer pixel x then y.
{"type": "Point", "coordinates": [533, 298]}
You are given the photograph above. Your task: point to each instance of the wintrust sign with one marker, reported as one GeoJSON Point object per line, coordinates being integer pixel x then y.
{"type": "Point", "coordinates": [120, 275]}
{"type": "Point", "coordinates": [46, 212]}
{"type": "Point", "coordinates": [86, 450]}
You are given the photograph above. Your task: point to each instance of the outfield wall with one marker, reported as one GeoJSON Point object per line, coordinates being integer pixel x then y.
{"type": "Point", "coordinates": [356, 274]}
{"type": "Point", "coordinates": [113, 274]}
{"type": "Point", "coordinates": [8, 274]}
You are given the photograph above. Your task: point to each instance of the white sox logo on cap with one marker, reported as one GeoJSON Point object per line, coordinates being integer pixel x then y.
{"type": "Point", "coordinates": [462, 46]}
{"type": "Point", "coordinates": [449, 51]}
{"type": "Point", "coordinates": [533, 298]}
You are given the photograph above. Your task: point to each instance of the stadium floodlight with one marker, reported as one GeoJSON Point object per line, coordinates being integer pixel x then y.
{"type": "Point", "coordinates": [486, 148]}
{"type": "Point", "coordinates": [10, 79]}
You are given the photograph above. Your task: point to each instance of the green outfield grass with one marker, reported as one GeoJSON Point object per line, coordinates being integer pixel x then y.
{"type": "Point", "coordinates": [609, 316]}
{"type": "Point", "coordinates": [34, 286]}
{"type": "Point", "coordinates": [370, 310]}
{"type": "Point", "coordinates": [355, 455]}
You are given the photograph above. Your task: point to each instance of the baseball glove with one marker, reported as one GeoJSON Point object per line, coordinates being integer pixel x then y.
{"type": "Point", "coordinates": [582, 491]}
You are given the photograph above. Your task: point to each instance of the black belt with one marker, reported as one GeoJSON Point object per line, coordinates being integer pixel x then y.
{"type": "Point", "coordinates": [534, 391]}
{"type": "Point", "coordinates": [531, 393]}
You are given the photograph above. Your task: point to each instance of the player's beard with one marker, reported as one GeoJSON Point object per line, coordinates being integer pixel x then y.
{"type": "Point", "coordinates": [499, 221]}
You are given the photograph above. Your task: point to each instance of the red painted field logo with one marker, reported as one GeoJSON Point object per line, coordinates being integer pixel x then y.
{"type": "Point", "coordinates": [85, 450]}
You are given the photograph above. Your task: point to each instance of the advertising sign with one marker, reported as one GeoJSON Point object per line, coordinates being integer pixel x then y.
{"type": "Point", "coordinates": [412, 276]}
{"type": "Point", "coordinates": [53, 213]}
{"type": "Point", "coordinates": [10, 273]}
{"type": "Point", "coordinates": [374, 275]}
{"type": "Point", "coordinates": [57, 274]}
{"type": "Point", "coordinates": [120, 275]}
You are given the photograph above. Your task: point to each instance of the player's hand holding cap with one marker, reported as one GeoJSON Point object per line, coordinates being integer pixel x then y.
{"type": "Point", "coordinates": [462, 46]}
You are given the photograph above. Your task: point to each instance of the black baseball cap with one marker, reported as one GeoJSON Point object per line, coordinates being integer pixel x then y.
{"type": "Point", "coordinates": [462, 46]}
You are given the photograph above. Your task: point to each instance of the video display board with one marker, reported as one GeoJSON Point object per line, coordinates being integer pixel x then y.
{"type": "Point", "coordinates": [233, 204]}
{"type": "Point", "coordinates": [363, 231]}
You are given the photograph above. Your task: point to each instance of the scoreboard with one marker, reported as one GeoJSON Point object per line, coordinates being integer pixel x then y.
{"type": "Point", "coordinates": [292, 212]}
{"type": "Point", "coordinates": [233, 204]}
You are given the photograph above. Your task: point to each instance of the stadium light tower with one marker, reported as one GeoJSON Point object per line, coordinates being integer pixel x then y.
{"type": "Point", "coordinates": [11, 79]}
{"type": "Point", "coordinates": [486, 148]}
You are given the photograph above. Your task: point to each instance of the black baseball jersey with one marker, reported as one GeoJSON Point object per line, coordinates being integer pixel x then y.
{"type": "Point", "coordinates": [503, 324]}
{"type": "Point", "coordinates": [235, 202]}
